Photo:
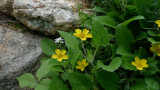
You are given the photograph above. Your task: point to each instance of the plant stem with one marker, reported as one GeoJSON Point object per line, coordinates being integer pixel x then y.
{"type": "Point", "coordinates": [125, 5]}
{"type": "Point", "coordinates": [89, 61]}
{"type": "Point", "coordinates": [83, 48]}
{"type": "Point", "coordinates": [95, 52]}
{"type": "Point", "coordinates": [154, 55]}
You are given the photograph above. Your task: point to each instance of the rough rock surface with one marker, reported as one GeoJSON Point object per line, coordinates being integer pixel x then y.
{"type": "Point", "coordinates": [44, 15]}
{"type": "Point", "coordinates": [18, 54]}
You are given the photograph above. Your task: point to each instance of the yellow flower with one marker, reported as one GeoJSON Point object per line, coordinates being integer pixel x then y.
{"type": "Point", "coordinates": [140, 64]}
{"type": "Point", "coordinates": [82, 64]}
{"type": "Point", "coordinates": [83, 35]}
{"type": "Point", "coordinates": [155, 48]}
{"type": "Point", "coordinates": [60, 55]}
{"type": "Point", "coordinates": [158, 22]}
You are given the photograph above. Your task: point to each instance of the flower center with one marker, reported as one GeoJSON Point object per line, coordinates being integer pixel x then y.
{"type": "Point", "coordinates": [82, 35]}
{"type": "Point", "coordinates": [158, 50]}
{"type": "Point", "coordinates": [82, 65]}
{"type": "Point", "coordinates": [59, 56]}
{"type": "Point", "coordinates": [139, 65]}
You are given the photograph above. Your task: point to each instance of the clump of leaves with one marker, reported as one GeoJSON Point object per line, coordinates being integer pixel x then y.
{"type": "Point", "coordinates": [115, 52]}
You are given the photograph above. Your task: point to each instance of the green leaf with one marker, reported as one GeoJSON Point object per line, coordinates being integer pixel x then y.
{"type": "Point", "coordinates": [56, 68]}
{"type": "Point", "coordinates": [139, 85]}
{"type": "Point", "coordinates": [153, 41]}
{"type": "Point", "coordinates": [123, 50]}
{"type": "Point", "coordinates": [126, 62]}
{"type": "Point", "coordinates": [124, 36]}
{"type": "Point", "coordinates": [97, 9]}
{"type": "Point", "coordinates": [27, 80]}
{"type": "Point", "coordinates": [125, 23]}
{"type": "Point", "coordinates": [52, 74]}
{"type": "Point", "coordinates": [43, 70]}
{"type": "Point", "coordinates": [43, 85]}
{"type": "Point", "coordinates": [78, 81]}
{"type": "Point", "coordinates": [141, 53]}
{"type": "Point", "coordinates": [57, 84]}
{"type": "Point", "coordinates": [144, 8]}
{"type": "Point", "coordinates": [141, 36]}
{"type": "Point", "coordinates": [130, 7]}
{"type": "Point", "coordinates": [152, 67]}
{"type": "Point", "coordinates": [108, 80]}
{"type": "Point", "coordinates": [100, 34]}
{"type": "Point", "coordinates": [48, 46]}
{"type": "Point", "coordinates": [70, 40]}
{"type": "Point", "coordinates": [113, 48]}
{"type": "Point", "coordinates": [152, 33]}
{"type": "Point", "coordinates": [114, 65]}
{"type": "Point", "coordinates": [90, 55]}
{"type": "Point", "coordinates": [73, 45]}
{"type": "Point", "coordinates": [74, 55]}
{"type": "Point", "coordinates": [44, 59]}
{"type": "Point", "coordinates": [152, 83]}
{"type": "Point", "coordinates": [106, 20]}
{"type": "Point", "coordinates": [53, 62]}
{"type": "Point", "coordinates": [113, 14]}
{"type": "Point", "coordinates": [88, 24]}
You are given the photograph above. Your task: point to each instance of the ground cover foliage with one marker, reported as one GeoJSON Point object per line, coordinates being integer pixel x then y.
{"type": "Point", "coordinates": [117, 47]}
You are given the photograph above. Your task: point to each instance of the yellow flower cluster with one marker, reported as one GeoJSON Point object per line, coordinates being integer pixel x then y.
{"type": "Point", "coordinates": [140, 64]}
{"type": "Point", "coordinates": [158, 22]}
{"type": "Point", "coordinates": [155, 48]}
{"type": "Point", "coordinates": [82, 64]}
{"type": "Point", "coordinates": [60, 55]}
{"type": "Point", "coordinates": [83, 35]}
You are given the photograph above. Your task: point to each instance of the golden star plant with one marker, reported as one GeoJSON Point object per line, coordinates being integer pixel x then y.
{"type": "Point", "coordinates": [155, 48]}
{"type": "Point", "coordinates": [158, 22]}
{"type": "Point", "coordinates": [82, 64]}
{"type": "Point", "coordinates": [60, 55]}
{"type": "Point", "coordinates": [140, 64]}
{"type": "Point", "coordinates": [83, 35]}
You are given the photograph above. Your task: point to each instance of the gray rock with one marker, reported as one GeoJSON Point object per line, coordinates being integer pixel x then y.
{"type": "Point", "coordinates": [44, 15]}
{"type": "Point", "coordinates": [18, 54]}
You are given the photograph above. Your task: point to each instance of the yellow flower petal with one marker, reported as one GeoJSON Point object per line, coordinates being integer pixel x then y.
{"type": "Point", "coordinates": [83, 61]}
{"type": "Point", "coordinates": [54, 56]}
{"type": "Point", "coordinates": [85, 31]}
{"type": "Point", "coordinates": [57, 51]}
{"type": "Point", "coordinates": [139, 68]}
{"type": "Point", "coordinates": [158, 25]}
{"type": "Point", "coordinates": [158, 46]}
{"type": "Point", "coordinates": [79, 63]}
{"type": "Point", "coordinates": [75, 34]}
{"type": "Point", "coordinates": [59, 59]}
{"type": "Point", "coordinates": [134, 64]}
{"type": "Point", "coordinates": [82, 68]}
{"type": "Point", "coordinates": [137, 60]}
{"type": "Point", "coordinates": [143, 61]}
{"type": "Point", "coordinates": [152, 49]}
{"type": "Point", "coordinates": [83, 39]}
{"type": "Point", "coordinates": [78, 31]}
{"type": "Point", "coordinates": [158, 54]}
{"type": "Point", "coordinates": [63, 52]}
{"type": "Point", "coordinates": [157, 22]}
{"type": "Point", "coordinates": [78, 67]}
{"type": "Point", "coordinates": [89, 35]}
{"type": "Point", "coordinates": [65, 56]}
{"type": "Point", "coordinates": [145, 65]}
{"type": "Point", "coordinates": [86, 64]}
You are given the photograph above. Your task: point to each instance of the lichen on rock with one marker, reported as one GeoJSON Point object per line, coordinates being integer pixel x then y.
{"type": "Point", "coordinates": [46, 16]}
